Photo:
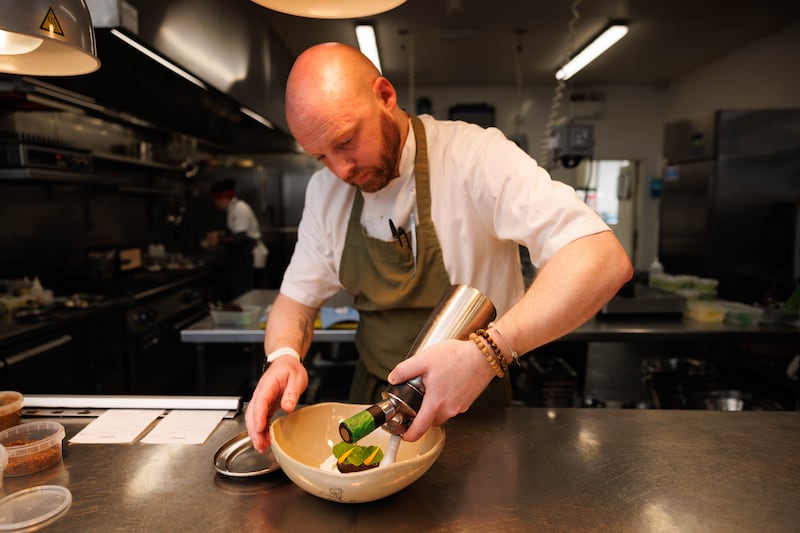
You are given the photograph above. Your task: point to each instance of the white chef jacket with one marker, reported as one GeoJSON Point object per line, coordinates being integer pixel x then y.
{"type": "Point", "coordinates": [242, 219]}
{"type": "Point", "coordinates": [487, 197]}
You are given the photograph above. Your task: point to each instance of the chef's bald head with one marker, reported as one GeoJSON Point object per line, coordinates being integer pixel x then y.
{"type": "Point", "coordinates": [327, 77]}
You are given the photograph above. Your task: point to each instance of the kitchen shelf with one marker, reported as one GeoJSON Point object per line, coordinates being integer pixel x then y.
{"type": "Point", "coordinates": [147, 191]}
{"type": "Point", "coordinates": [101, 157]}
{"type": "Point", "coordinates": [49, 175]}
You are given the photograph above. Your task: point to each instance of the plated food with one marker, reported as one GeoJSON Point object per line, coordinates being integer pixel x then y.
{"type": "Point", "coordinates": [354, 458]}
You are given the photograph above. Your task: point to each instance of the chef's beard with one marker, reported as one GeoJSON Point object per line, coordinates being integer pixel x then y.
{"type": "Point", "coordinates": [381, 175]}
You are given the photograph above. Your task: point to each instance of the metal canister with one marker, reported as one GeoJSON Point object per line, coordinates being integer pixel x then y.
{"type": "Point", "coordinates": [460, 312]}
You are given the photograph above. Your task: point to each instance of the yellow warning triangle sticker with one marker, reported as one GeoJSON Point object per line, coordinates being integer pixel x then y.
{"type": "Point", "coordinates": [51, 24]}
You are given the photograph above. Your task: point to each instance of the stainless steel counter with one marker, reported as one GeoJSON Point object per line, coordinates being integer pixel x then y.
{"type": "Point", "coordinates": [518, 469]}
{"type": "Point", "coordinates": [205, 331]}
{"type": "Point", "coordinates": [611, 329]}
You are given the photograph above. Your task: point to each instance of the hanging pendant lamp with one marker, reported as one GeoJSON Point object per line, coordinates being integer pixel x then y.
{"type": "Point", "coordinates": [331, 9]}
{"type": "Point", "coordinates": [47, 38]}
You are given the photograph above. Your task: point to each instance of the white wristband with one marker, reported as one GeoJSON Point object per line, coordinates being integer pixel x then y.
{"type": "Point", "coordinates": [281, 352]}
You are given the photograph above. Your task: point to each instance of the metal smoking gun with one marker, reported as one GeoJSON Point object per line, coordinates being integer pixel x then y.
{"type": "Point", "coordinates": [460, 312]}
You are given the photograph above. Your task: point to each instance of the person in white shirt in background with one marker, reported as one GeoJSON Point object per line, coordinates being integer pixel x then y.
{"type": "Point", "coordinates": [245, 254]}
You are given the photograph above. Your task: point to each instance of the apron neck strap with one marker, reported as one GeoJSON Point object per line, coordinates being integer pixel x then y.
{"type": "Point", "coordinates": [421, 169]}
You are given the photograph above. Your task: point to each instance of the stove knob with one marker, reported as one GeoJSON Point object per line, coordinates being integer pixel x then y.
{"type": "Point", "coordinates": [143, 316]}
{"type": "Point", "coordinates": [190, 297]}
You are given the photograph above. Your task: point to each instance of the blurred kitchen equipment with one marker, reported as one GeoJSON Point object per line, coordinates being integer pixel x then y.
{"type": "Point", "coordinates": [234, 315]}
{"type": "Point", "coordinates": [729, 207]}
{"type": "Point", "coordinates": [81, 300]}
{"type": "Point", "coordinates": [105, 263]}
{"type": "Point", "coordinates": [727, 400]}
{"type": "Point", "coordinates": [460, 312]}
{"type": "Point", "coordinates": [547, 382]}
{"type": "Point", "coordinates": [102, 264]}
{"type": "Point", "coordinates": [678, 382]}
{"type": "Point", "coordinates": [17, 157]}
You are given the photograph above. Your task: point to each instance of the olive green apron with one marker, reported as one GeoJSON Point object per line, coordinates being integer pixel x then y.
{"type": "Point", "coordinates": [393, 296]}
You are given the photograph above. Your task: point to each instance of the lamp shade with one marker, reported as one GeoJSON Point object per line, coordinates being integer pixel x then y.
{"type": "Point", "coordinates": [47, 38]}
{"type": "Point", "coordinates": [331, 9]}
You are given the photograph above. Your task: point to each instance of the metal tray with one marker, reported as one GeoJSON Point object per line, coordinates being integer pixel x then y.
{"type": "Point", "coordinates": [238, 458]}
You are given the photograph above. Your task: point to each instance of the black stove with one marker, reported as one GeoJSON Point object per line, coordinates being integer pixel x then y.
{"type": "Point", "coordinates": [128, 327]}
{"type": "Point", "coordinates": [157, 361]}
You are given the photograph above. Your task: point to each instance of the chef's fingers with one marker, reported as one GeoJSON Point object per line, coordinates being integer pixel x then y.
{"type": "Point", "coordinates": [295, 385]}
{"type": "Point", "coordinates": [256, 426]}
{"type": "Point", "coordinates": [262, 405]}
{"type": "Point", "coordinates": [420, 425]}
{"type": "Point", "coordinates": [406, 370]}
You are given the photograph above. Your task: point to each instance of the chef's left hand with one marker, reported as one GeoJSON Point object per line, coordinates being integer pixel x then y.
{"type": "Point", "coordinates": [454, 373]}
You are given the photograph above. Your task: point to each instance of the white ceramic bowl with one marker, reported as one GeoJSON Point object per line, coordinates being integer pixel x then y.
{"type": "Point", "coordinates": [302, 440]}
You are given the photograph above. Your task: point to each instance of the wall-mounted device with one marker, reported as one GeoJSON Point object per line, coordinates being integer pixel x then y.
{"type": "Point", "coordinates": [571, 142]}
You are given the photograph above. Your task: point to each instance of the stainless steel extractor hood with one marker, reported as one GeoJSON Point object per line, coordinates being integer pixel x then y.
{"type": "Point", "coordinates": [211, 69]}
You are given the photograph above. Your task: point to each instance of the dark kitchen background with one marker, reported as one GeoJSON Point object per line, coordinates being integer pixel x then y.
{"type": "Point", "coordinates": [95, 168]}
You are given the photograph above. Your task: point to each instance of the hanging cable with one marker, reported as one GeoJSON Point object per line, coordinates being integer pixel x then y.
{"type": "Point", "coordinates": [518, 71]}
{"type": "Point", "coordinates": [412, 75]}
{"type": "Point", "coordinates": [552, 117]}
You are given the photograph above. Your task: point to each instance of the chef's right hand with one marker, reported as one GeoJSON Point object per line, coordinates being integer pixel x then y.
{"type": "Point", "coordinates": [279, 387]}
{"type": "Point", "coordinates": [213, 238]}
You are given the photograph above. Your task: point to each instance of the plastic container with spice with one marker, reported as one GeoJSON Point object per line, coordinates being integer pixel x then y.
{"type": "Point", "coordinates": [32, 447]}
{"type": "Point", "coordinates": [10, 409]}
{"type": "Point", "coordinates": [3, 462]}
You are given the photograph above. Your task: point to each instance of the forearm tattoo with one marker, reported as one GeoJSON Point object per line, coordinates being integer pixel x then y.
{"type": "Point", "coordinates": [306, 331]}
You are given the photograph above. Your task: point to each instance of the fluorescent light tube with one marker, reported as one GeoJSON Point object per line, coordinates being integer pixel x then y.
{"type": "Point", "coordinates": [590, 52]}
{"type": "Point", "coordinates": [365, 35]}
{"type": "Point", "coordinates": [159, 59]}
{"type": "Point", "coordinates": [255, 116]}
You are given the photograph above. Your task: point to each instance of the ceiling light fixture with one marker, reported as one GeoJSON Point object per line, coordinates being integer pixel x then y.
{"type": "Point", "coordinates": [605, 40]}
{"type": "Point", "coordinates": [365, 35]}
{"type": "Point", "coordinates": [327, 9]}
{"type": "Point", "coordinates": [47, 38]}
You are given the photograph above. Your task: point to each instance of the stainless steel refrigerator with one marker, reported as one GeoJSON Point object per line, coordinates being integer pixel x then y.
{"type": "Point", "coordinates": [731, 201]}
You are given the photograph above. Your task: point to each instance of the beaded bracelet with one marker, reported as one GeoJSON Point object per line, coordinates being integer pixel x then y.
{"type": "Point", "coordinates": [498, 354]}
{"type": "Point", "coordinates": [514, 355]}
{"type": "Point", "coordinates": [489, 357]}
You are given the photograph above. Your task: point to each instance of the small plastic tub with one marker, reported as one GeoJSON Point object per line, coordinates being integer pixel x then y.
{"type": "Point", "coordinates": [239, 318]}
{"type": "Point", "coordinates": [32, 447]}
{"type": "Point", "coordinates": [10, 409]}
{"type": "Point", "coordinates": [704, 311]}
{"type": "Point", "coordinates": [739, 313]}
{"type": "Point", "coordinates": [706, 285]}
{"type": "Point", "coordinates": [3, 462]}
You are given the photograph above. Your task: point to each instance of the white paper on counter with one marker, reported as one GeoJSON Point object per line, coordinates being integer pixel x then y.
{"type": "Point", "coordinates": [185, 427]}
{"type": "Point", "coordinates": [96, 401]}
{"type": "Point", "coordinates": [117, 426]}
